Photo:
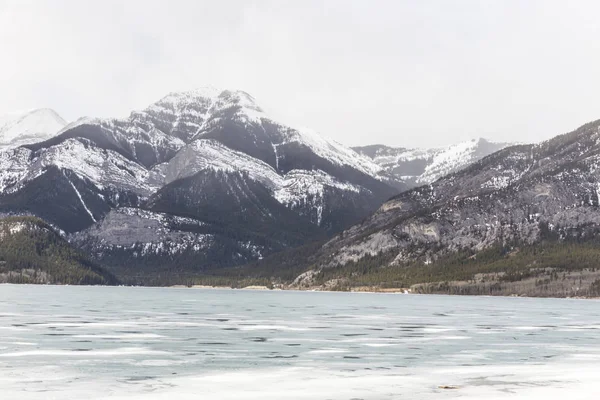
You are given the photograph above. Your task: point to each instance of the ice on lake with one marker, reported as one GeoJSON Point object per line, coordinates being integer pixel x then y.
{"type": "Point", "coordinates": [160, 343]}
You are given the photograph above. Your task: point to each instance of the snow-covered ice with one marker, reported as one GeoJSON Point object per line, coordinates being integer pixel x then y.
{"type": "Point", "coordinates": [163, 343]}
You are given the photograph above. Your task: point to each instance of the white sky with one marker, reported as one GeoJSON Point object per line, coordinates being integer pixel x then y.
{"type": "Point", "coordinates": [406, 73]}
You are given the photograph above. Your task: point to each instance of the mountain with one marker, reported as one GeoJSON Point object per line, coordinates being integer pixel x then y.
{"type": "Point", "coordinates": [31, 251]}
{"type": "Point", "coordinates": [417, 167]}
{"type": "Point", "coordinates": [527, 213]}
{"type": "Point", "coordinates": [17, 129]}
{"type": "Point", "coordinates": [198, 179]}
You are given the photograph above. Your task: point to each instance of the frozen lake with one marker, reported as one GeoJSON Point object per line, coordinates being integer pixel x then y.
{"type": "Point", "coordinates": [159, 343]}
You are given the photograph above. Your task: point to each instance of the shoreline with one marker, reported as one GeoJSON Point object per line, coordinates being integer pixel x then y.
{"type": "Point", "coordinates": [387, 291]}
{"type": "Point", "coordinates": [399, 291]}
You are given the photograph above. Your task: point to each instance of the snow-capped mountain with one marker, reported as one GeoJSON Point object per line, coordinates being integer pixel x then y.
{"type": "Point", "coordinates": [205, 173]}
{"type": "Point", "coordinates": [20, 128]}
{"type": "Point", "coordinates": [423, 166]}
{"type": "Point", "coordinates": [518, 196]}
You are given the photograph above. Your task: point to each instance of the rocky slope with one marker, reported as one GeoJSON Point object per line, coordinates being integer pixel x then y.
{"type": "Point", "coordinates": [416, 167]}
{"type": "Point", "coordinates": [21, 128]}
{"type": "Point", "coordinates": [31, 251]}
{"type": "Point", "coordinates": [197, 179]}
{"type": "Point", "coordinates": [518, 196]}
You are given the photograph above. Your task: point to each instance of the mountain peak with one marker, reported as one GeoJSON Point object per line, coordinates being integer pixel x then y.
{"type": "Point", "coordinates": [208, 95]}
{"type": "Point", "coordinates": [20, 128]}
{"type": "Point", "coordinates": [187, 113]}
{"type": "Point", "coordinates": [201, 114]}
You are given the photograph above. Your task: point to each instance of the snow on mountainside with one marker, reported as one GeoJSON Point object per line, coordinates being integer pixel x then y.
{"type": "Point", "coordinates": [289, 188]}
{"type": "Point", "coordinates": [424, 166]}
{"type": "Point", "coordinates": [252, 184]}
{"type": "Point", "coordinates": [331, 150]}
{"type": "Point", "coordinates": [17, 129]}
{"type": "Point", "coordinates": [200, 112]}
{"type": "Point", "coordinates": [209, 154]}
{"type": "Point", "coordinates": [519, 196]}
{"type": "Point", "coordinates": [185, 114]}
{"type": "Point", "coordinates": [201, 118]}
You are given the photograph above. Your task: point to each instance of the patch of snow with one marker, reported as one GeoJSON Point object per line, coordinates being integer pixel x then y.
{"type": "Point", "coordinates": [14, 166]}
{"type": "Point", "coordinates": [17, 227]}
{"type": "Point", "coordinates": [102, 167]}
{"type": "Point", "coordinates": [203, 154]}
{"type": "Point", "coordinates": [301, 187]}
{"type": "Point", "coordinates": [331, 150]}
{"type": "Point", "coordinates": [449, 159]}
{"type": "Point", "coordinates": [81, 200]}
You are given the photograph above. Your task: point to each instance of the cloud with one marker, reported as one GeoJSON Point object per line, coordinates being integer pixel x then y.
{"type": "Point", "coordinates": [404, 73]}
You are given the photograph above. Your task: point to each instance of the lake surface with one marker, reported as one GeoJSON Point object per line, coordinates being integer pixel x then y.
{"type": "Point", "coordinates": [158, 343]}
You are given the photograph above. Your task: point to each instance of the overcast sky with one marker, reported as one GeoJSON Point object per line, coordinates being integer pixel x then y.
{"type": "Point", "coordinates": [406, 73]}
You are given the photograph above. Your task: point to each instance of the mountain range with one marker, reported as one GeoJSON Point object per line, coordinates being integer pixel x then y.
{"type": "Point", "coordinates": [198, 179]}
{"type": "Point", "coordinates": [538, 203]}
{"type": "Point", "coordinates": [416, 167]}
{"type": "Point", "coordinates": [203, 180]}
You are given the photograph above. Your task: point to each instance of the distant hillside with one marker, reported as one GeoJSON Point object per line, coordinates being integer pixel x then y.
{"type": "Point", "coordinates": [416, 167]}
{"type": "Point", "coordinates": [32, 252]}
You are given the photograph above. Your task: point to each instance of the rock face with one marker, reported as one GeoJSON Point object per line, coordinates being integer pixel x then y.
{"type": "Point", "coordinates": [520, 195]}
{"type": "Point", "coordinates": [198, 179]}
{"type": "Point", "coordinates": [416, 167]}
{"type": "Point", "coordinates": [17, 129]}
